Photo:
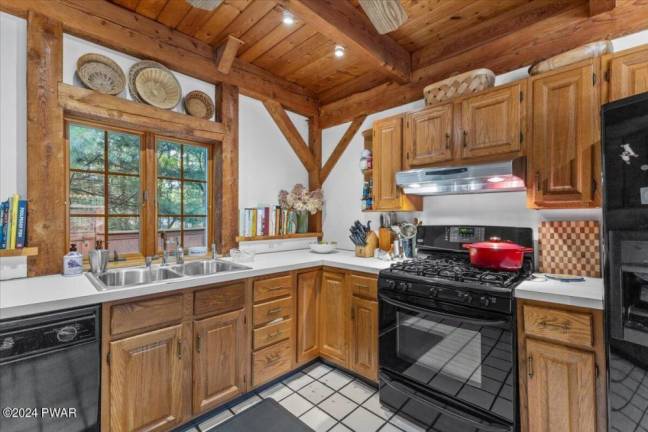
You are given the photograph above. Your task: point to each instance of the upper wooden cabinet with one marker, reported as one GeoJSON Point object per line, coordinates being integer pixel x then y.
{"type": "Point", "coordinates": [491, 122]}
{"type": "Point", "coordinates": [564, 159]}
{"type": "Point", "coordinates": [146, 381]}
{"type": "Point", "coordinates": [218, 371]}
{"type": "Point", "coordinates": [333, 304]}
{"type": "Point", "coordinates": [387, 161]}
{"type": "Point", "coordinates": [626, 73]}
{"type": "Point", "coordinates": [429, 136]}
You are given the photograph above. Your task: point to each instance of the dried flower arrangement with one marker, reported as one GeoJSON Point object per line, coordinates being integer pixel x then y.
{"type": "Point", "coordinates": [300, 199]}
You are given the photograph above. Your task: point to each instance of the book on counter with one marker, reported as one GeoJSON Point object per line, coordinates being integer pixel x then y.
{"type": "Point", "coordinates": [266, 221]}
{"type": "Point", "coordinates": [13, 223]}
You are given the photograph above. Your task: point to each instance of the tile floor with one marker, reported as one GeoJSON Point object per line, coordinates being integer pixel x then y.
{"type": "Point", "coordinates": [323, 397]}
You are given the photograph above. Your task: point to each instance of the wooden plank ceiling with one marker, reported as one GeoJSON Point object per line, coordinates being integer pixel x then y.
{"type": "Point", "coordinates": [303, 53]}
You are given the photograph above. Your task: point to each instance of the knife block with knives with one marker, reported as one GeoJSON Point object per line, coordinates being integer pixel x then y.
{"type": "Point", "coordinates": [365, 240]}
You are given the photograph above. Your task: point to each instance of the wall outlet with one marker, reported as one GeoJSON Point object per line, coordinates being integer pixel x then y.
{"type": "Point", "coordinates": [644, 195]}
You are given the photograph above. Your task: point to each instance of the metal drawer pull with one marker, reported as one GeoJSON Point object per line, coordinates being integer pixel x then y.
{"type": "Point", "coordinates": [447, 137]}
{"type": "Point", "coordinates": [274, 311]}
{"type": "Point", "coordinates": [179, 346]}
{"type": "Point", "coordinates": [274, 359]}
{"type": "Point", "coordinates": [564, 326]}
{"type": "Point", "coordinates": [272, 335]}
{"type": "Point", "coordinates": [198, 343]}
{"type": "Point", "coordinates": [276, 288]}
{"type": "Point", "coordinates": [530, 366]}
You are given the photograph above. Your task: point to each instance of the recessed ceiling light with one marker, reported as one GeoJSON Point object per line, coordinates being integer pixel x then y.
{"type": "Point", "coordinates": [288, 18]}
{"type": "Point", "coordinates": [339, 51]}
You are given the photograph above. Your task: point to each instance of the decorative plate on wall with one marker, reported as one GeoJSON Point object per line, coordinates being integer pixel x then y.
{"type": "Point", "coordinates": [136, 69]}
{"type": "Point", "coordinates": [99, 73]}
{"type": "Point", "coordinates": [199, 104]}
{"type": "Point", "coordinates": [158, 87]}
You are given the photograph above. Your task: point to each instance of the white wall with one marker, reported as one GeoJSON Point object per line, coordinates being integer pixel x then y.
{"type": "Point", "coordinates": [343, 187]}
{"type": "Point", "coordinates": [13, 122]}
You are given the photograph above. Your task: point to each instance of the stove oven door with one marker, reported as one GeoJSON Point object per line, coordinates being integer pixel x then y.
{"type": "Point", "coordinates": [458, 357]}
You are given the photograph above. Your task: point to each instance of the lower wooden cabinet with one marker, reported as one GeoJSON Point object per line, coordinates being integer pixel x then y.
{"type": "Point", "coordinates": [561, 368]}
{"type": "Point", "coordinates": [218, 360]}
{"type": "Point", "coordinates": [333, 317]}
{"type": "Point", "coordinates": [146, 381]}
{"type": "Point", "coordinates": [308, 293]}
{"type": "Point", "coordinates": [363, 357]}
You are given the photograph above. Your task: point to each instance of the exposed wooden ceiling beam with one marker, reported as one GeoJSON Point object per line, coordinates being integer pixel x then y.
{"type": "Point", "coordinates": [566, 30]}
{"type": "Point", "coordinates": [291, 134]}
{"type": "Point", "coordinates": [340, 147]}
{"type": "Point", "coordinates": [599, 6]}
{"type": "Point", "coordinates": [107, 24]}
{"type": "Point", "coordinates": [226, 53]}
{"type": "Point", "coordinates": [341, 22]}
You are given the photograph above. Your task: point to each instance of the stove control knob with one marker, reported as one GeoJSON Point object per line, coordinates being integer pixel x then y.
{"type": "Point", "coordinates": [484, 301]}
{"type": "Point", "coordinates": [467, 298]}
{"type": "Point", "coordinates": [402, 286]}
{"type": "Point", "coordinates": [434, 291]}
{"type": "Point", "coordinates": [391, 284]}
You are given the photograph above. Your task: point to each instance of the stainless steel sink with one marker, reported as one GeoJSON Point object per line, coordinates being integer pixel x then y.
{"type": "Point", "coordinates": [122, 278]}
{"type": "Point", "coordinates": [129, 277]}
{"type": "Point", "coordinates": [201, 268]}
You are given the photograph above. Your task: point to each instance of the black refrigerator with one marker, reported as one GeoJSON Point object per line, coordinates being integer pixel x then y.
{"type": "Point", "coordinates": [625, 215]}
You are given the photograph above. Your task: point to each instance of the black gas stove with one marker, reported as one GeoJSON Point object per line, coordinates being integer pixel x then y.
{"type": "Point", "coordinates": [447, 333]}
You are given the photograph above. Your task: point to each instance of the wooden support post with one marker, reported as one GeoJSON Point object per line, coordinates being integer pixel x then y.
{"type": "Point", "coordinates": [227, 170]}
{"type": "Point", "coordinates": [342, 145]}
{"type": "Point", "coordinates": [226, 53]}
{"type": "Point", "coordinates": [315, 145]}
{"type": "Point", "coordinates": [46, 176]}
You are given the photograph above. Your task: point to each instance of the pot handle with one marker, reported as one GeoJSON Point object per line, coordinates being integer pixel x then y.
{"type": "Point", "coordinates": [466, 245]}
{"type": "Point", "coordinates": [528, 250]}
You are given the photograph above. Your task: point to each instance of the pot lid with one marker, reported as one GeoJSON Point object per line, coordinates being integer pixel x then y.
{"type": "Point", "coordinates": [496, 243]}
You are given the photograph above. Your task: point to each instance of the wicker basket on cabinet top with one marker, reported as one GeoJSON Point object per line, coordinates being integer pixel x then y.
{"type": "Point", "coordinates": [457, 85]}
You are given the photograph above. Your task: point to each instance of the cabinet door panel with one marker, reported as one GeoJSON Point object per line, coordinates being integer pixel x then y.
{"type": "Point", "coordinates": [561, 388]}
{"type": "Point", "coordinates": [629, 74]}
{"type": "Point", "coordinates": [308, 287]}
{"type": "Point", "coordinates": [146, 381]}
{"type": "Point", "coordinates": [388, 153]}
{"type": "Point", "coordinates": [333, 317]}
{"type": "Point", "coordinates": [219, 358]}
{"type": "Point", "coordinates": [428, 136]}
{"type": "Point", "coordinates": [564, 137]}
{"type": "Point", "coordinates": [490, 123]}
{"type": "Point", "coordinates": [364, 337]}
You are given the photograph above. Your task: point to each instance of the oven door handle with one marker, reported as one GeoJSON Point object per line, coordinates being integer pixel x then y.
{"type": "Point", "coordinates": [402, 389]}
{"type": "Point", "coordinates": [462, 318]}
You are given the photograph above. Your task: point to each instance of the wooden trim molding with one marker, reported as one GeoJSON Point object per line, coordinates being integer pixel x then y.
{"type": "Point", "coordinates": [291, 134]}
{"type": "Point", "coordinates": [226, 53]}
{"type": "Point", "coordinates": [123, 112]}
{"type": "Point", "coordinates": [341, 146]}
{"type": "Point", "coordinates": [46, 177]}
{"type": "Point", "coordinates": [115, 27]}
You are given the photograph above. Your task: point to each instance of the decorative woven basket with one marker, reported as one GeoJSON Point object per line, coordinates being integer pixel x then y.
{"type": "Point", "coordinates": [458, 85]}
{"type": "Point", "coordinates": [101, 74]}
{"type": "Point", "coordinates": [199, 104]}
{"type": "Point", "coordinates": [575, 55]}
{"type": "Point", "coordinates": [132, 76]}
{"type": "Point", "coordinates": [158, 87]}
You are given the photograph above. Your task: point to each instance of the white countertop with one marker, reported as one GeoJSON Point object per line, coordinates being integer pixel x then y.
{"type": "Point", "coordinates": [47, 293]}
{"type": "Point", "coordinates": [28, 296]}
{"type": "Point", "coordinates": [588, 293]}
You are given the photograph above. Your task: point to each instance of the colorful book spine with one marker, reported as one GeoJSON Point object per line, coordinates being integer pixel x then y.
{"type": "Point", "coordinates": [266, 220]}
{"type": "Point", "coordinates": [6, 225]}
{"type": "Point", "coordinates": [13, 214]}
{"type": "Point", "coordinates": [253, 222]}
{"type": "Point", "coordinates": [21, 226]}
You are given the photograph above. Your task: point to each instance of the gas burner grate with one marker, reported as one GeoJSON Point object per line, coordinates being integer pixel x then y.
{"type": "Point", "coordinates": [457, 267]}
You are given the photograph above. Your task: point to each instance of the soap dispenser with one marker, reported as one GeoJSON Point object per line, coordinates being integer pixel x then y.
{"type": "Point", "coordinates": [72, 262]}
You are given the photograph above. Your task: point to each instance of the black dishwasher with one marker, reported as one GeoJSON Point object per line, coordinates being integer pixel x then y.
{"type": "Point", "coordinates": [49, 372]}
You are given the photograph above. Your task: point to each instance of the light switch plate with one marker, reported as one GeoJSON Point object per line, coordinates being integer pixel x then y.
{"type": "Point", "coordinates": [644, 195]}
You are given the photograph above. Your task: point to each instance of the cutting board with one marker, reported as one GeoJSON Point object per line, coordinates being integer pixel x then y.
{"type": "Point", "coordinates": [570, 247]}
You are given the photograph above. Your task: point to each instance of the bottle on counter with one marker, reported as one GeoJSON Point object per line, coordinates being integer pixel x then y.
{"type": "Point", "coordinates": [72, 262]}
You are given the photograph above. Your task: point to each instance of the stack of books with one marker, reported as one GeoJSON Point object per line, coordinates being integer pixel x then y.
{"type": "Point", "coordinates": [13, 223]}
{"type": "Point", "coordinates": [267, 221]}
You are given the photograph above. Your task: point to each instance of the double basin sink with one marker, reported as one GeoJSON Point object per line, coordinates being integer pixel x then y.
{"type": "Point", "coordinates": [134, 276]}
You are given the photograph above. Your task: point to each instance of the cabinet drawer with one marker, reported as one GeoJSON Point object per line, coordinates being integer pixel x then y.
{"type": "Point", "coordinates": [266, 289]}
{"type": "Point", "coordinates": [266, 312]}
{"type": "Point", "coordinates": [141, 314]}
{"type": "Point", "coordinates": [219, 299]}
{"type": "Point", "coordinates": [272, 333]}
{"type": "Point", "coordinates": [559, 325]}
{"type": "Point", "coordinates": [364, 286]}
{"type": "Point", "coordinates": [271, 362]}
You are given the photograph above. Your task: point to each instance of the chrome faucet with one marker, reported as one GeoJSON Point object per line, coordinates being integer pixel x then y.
{"type": "Point", "coordinates": [179, 253]}
{"type": "Point", "coordinates": [213, 251]}
{"type": "Point", "coordinates": [148, 261]}
{"type": "Point", "coordinates": [165, 253]}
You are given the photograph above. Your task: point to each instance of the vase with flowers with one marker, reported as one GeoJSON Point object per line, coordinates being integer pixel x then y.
{"type": "Point", "coordinates": [302, 203]}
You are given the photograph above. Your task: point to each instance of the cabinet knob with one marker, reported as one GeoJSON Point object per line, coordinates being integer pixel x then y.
{"type": "Point", "coordinates": [447, 137]}
{"type": "Point", "coordinates": [538, 181]}
{"type": "Point", "coordinates": [530, 366]}
{"type": "Point", "coordinates": [465, 138]}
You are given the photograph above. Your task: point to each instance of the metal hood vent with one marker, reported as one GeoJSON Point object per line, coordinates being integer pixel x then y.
{"type": "Point", "coordinates": [505, 176]}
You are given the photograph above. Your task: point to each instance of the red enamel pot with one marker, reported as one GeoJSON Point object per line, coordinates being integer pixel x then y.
{"type": "Point", "coordinates": [497, 254]}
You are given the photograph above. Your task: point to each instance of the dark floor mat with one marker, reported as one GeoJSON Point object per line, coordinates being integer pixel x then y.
{"type": "Point", "coordinates": [266, 416]}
